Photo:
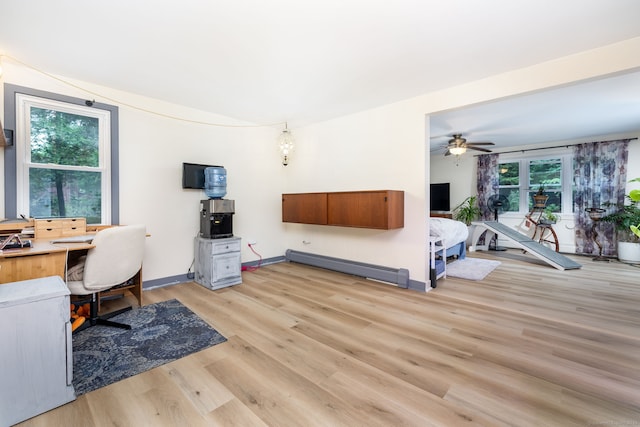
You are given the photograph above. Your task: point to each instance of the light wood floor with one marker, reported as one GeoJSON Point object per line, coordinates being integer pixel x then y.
{"type": "Point", "coordinates": [528, 346]}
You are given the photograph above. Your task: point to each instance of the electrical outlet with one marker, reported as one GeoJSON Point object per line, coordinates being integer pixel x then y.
{"type": "Point", "coordinates": [252, 242]}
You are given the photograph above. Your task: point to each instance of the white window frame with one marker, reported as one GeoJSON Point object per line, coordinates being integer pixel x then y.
{"type": "Point", "coordinates": [24, 103]}
{"type": "Point", "coordinates": [523, 158]}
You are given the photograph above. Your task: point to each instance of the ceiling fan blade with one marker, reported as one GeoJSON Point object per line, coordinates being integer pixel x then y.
{"type": "Point", "coordinates": [448, 153]}
{"type": "Point", "coordinates": [480, 143]}
{"type": "Point", "coordinates": [479, 149]}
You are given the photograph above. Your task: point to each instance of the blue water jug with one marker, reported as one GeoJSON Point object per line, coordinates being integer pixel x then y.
{"type": "Point", "coordinates": [215, 182]}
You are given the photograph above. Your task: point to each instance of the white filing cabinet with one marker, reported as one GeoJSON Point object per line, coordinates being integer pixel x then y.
{"type": "Point", "coordinates": [218, 263]}
{"type": "Point", "coordinates": [35, 348]}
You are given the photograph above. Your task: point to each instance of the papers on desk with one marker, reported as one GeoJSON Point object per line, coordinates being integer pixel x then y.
{"type": "Point", "coordinates": [84, 238]}
{"type": "Point", "coordinates": [28, 231]}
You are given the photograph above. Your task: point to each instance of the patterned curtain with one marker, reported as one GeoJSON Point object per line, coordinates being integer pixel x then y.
{"type": "Point", "coordinates": [487, 184]}
{"type": "Point", "coordinates": [600, 177]}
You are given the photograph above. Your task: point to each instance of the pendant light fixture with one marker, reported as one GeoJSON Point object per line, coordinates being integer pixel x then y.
{"type": "Point", "coordinates": [285, 145]}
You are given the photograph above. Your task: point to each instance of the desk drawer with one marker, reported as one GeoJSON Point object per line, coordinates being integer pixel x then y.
{"type": "Point", "coordinates": [74, 226]}
{"type": "Point", "coordinates": [59, 227]}
{"type": "Point", "coordinates": [42, 224]}
{"type": "Point", "coordinates": [47, 229]}
{"type": "Point", "coordinates": [48, 233]}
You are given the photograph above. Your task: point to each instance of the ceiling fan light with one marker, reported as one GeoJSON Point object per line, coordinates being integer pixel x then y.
{"type": "Point", "coordinates": [456, 151]}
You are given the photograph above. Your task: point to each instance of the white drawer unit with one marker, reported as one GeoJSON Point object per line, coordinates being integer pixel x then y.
{"type": "Point", "coordinates": [218, 262]}
{"type": "Point", "coordinates": [36, 352]}
{"type": "Point", "coordinates": [223, 246]}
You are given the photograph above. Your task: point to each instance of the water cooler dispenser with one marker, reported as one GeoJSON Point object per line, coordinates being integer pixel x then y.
{"type": "Point", "coordinates": [216, 213]}
{"type": "Point", "coordinates": [216, 218]}
{"type": "Point", "coordinates": [217, 252]}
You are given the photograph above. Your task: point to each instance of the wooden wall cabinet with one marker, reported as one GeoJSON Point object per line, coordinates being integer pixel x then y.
{"type": "Point", "coordinates": [379, 209]}
{"type": "Point", "coordinates": [305, 208]}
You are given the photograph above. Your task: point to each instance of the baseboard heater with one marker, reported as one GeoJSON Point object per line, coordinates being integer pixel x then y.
{"type": "Point", "coordinates": [399, 276]}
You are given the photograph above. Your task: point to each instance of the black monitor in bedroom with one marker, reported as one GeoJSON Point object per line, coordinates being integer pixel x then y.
{"type": "Point", "coordinates": [440, 197]}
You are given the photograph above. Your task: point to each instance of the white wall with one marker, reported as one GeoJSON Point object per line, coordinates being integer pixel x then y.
{"type": "Point", "coordinates": [383, 148]}
{"type": "Point", "coordinates": [460, 173]}
{"type": "Point", "coordinates": [152, 149]}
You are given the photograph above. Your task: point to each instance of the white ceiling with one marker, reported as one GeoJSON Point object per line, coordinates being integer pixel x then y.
{"type": "Point", "coordinates": [305, 61]}
{"type": "Point", "coordinates": [608, 106]}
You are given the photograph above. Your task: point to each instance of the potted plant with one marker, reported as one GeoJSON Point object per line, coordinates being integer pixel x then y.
{"type": "Point", "coordinates": [539, 198]}
{"type": "Point", "coordinates": [548, 216]}
{"type": "Point", "coordinates": [467, 211]}
{"type": "Point", "coordinates": [627, 221]}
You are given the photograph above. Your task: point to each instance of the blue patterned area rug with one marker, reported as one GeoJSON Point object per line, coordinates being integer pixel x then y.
{"type": "Point", "coordinates": [160, 333]}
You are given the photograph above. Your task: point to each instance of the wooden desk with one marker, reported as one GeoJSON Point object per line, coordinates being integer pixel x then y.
{"type": "Point", "coordinates": [45, 259]}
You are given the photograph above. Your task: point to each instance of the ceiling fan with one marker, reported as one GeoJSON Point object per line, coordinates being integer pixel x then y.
{"type": "Point", "coordinates": [459, 145]}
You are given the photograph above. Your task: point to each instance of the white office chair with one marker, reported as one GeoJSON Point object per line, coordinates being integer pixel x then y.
{"type": "Point", "coordinates": [116, 258]}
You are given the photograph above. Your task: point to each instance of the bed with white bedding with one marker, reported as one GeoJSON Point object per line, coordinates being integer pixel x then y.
{"type": "Point", "coordinates": [454, 233]}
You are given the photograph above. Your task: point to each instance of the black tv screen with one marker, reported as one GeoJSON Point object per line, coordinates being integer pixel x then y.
{"type": "Point", "coordinates": [193, 175]}
{"type": "Point", "coordinates": [440, 197]}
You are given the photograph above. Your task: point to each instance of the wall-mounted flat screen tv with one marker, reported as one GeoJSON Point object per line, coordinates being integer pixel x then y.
{"type": "Point", "coordinates": [193, 175]}
{"type": "Point", "coordinates": [440, 197]}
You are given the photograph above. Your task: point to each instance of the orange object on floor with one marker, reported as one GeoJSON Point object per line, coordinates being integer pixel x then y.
{"type": "Point", "coordinates": [77, 323]}
{"type": "Point", "coordinates": [78, 315]}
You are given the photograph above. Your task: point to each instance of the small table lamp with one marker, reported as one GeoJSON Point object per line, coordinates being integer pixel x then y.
{"type": "Point", "coordinates": [596, 214]}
